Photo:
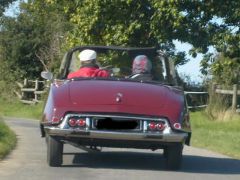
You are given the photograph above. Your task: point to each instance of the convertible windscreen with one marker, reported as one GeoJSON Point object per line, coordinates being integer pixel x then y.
{"type": "Point", "coordinates": [119, 62]}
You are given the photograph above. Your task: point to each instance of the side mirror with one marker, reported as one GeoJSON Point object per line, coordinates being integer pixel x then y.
{"type": "Point", "coordinates": [116, 70]}
{"type": "Point", "coordinates": [47, 75]}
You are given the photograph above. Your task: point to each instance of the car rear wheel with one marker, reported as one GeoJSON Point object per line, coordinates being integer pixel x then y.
{"type": "Point", "coordinates": [54, 151]}
{"type": "Point", "coordinates": [173, 155]}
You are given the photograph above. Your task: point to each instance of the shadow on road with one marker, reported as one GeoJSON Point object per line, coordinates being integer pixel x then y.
{"type": "Point", "coordinates": [211, 165]}
{"type": "Point", "coordinates": [152, 161]}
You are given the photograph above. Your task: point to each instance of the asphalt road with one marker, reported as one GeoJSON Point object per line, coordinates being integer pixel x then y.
{"type": "Point", "coordinates": [28, 162]}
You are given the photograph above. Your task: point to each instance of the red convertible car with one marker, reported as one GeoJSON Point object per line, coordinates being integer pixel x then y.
{"type": "Point", "coordinates": [118, 111]}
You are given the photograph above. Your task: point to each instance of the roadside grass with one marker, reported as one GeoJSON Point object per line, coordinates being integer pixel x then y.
{"type": "Point", "coordinates": [14, 108]}
{"type": "Point", "coordinates": [218, 136]}
{"type": "Point", "coordinates": [8, 139]}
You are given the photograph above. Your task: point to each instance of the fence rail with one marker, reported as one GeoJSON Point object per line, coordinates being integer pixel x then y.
{"type": "Point", "coordinates": [234, 92]}
{"type": "Point", "coordinates": [30, 91]}
{"type": "Point", "coordinates": [192, 106]}
{"type": "Point", "coordinates": [230, 92]}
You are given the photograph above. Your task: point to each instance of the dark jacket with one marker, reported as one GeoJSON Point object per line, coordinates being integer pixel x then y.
{"type": "Point", "coordinates": [142, 77]}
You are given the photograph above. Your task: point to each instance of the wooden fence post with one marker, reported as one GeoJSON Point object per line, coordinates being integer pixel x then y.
{"type": "Point", "coordinates": [214, 87]}
{"type": "Point", "coordinates": [234, 97]}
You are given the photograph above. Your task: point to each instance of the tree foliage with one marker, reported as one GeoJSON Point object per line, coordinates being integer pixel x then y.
{"type": "Point", "coordinates": [222, 69]}
{"type": "Point", "coordinates": [155, 23]}
{"type": "Point", "coordinates": [43, 25]}
{"type": "Point", "coordinates": [31, 33]}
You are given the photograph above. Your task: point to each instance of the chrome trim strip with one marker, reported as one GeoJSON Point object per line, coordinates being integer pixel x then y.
{"type": "Point", "coordinates": [145, 126]}
{"type": "Point", "coordinates": [88, 122]}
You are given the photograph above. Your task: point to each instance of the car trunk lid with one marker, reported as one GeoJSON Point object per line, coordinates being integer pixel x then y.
{"type": "Point", "coordinates": [102, 92]}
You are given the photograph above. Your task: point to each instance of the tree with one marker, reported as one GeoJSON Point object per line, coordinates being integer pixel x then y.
{"type": "Point", "coordinates": [222, 69]}
{"type": "Point", "coordinates": [153, 23]}
{"type": "Point", "coordinates": [25, 37]}
{"type": "Point", "coordinates": [132, 23]}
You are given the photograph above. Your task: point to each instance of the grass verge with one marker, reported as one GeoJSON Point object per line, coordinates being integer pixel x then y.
{"type": "Point", "coordinates": [7, 139]}
{"type": "Point", "coordinates": [218, 136]}
{"type": "Point", "coordinates": [14, 108]}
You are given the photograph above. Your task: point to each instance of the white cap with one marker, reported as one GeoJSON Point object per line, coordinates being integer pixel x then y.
{"type": "Point", "coordinates": [87, 55]}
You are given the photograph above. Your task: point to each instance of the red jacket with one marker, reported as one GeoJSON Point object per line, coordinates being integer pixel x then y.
{"type": "Point", "coordinates": [88, 72]}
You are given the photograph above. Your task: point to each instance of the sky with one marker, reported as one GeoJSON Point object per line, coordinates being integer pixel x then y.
{"type": "Point", "coordinates": [191, 68]}
{"type": "Point", "coordinates": [13, 9]}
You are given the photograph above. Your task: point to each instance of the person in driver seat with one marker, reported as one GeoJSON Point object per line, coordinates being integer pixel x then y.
{"type": "Point", "coordinates": [89, 67]}
{"type": "Point", "coordinates": [141, 68]}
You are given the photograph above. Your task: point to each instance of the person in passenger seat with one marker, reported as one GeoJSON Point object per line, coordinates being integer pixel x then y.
{"type": "Point", "coordinates": [89, 67]}
{"type": "Point", "coordinates": [141, 68]}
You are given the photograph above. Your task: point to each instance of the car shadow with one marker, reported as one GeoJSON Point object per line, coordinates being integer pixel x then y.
{"type": "Point", "coordinates": [153, 161]}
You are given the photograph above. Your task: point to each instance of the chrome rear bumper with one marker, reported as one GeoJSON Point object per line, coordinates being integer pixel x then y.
{"type": "Point", "coordinates": [133, 136]}
{"type": "Point", "coordinates": [141, 133]}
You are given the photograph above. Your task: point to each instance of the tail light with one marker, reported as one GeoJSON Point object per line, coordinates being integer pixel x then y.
{"type": "Point", "coordinates": [81, 122]}
{"type": "Point", "coordinates": [55, 120]}
{"type": "Point", "coordinates": [160, 126]}
{"type": "Point", "coordinates": [73, 122]}
{"type": "Point", "coordinates": [177, 126]}
{"type": "Point", "coordinates": [156, 126]}
{"type": "Point", "coordinates": [152, 126]}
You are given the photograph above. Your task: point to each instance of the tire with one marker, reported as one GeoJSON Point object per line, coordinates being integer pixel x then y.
{"type": "Point", "coordinates": [54, 151]}
{"type": "Point", "coordinates": [173, 155]}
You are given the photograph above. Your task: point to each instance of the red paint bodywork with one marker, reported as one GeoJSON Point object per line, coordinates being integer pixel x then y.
{"type": "Point", "coordinates": [118, 111]}
{"type": "Point", "coordinates": [100, 96]}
